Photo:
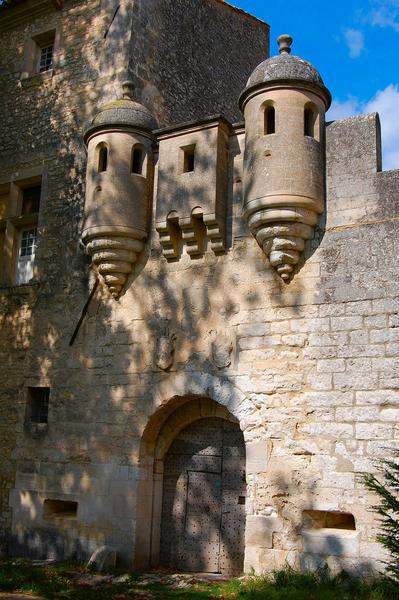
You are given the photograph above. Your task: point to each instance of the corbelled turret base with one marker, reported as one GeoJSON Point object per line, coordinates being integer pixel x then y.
{"type": "Point", "coordinates": [114, 251]}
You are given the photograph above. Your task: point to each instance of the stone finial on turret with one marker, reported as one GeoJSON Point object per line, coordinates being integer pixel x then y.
{"type": "Point", "coordinates": [284, 41]}
{"type": "Point", "coordinates": [128, 90]}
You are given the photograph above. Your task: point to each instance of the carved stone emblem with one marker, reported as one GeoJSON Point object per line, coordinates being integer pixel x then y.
{"type": "Point", "coordinates": [221, 346]}
{"type": "Point", "coordinates": [165, 348]}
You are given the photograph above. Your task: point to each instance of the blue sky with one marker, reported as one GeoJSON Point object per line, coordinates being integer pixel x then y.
{"type": "Point", "coordinates": [355, 46]}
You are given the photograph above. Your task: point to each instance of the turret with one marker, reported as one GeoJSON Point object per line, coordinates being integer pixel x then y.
{"type": "Point", "coordinates": [118, 187]}
{"type": "Point", "coordinates": [284, 105]}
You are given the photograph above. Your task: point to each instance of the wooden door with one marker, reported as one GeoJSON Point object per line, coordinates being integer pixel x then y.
{"type": "Point", "coordinates": [203, 512]}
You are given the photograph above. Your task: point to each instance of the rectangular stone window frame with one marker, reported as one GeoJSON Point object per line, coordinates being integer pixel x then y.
{"type": "Point", "coordinates": [40, 54]}
{"type": "Point", "coordinates": [15, 227]}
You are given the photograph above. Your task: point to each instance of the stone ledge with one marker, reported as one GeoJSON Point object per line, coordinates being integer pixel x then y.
{"type": "Point", "coordinates": [326, 541]}
{"type": "Point", "coordinates": [19, 290]}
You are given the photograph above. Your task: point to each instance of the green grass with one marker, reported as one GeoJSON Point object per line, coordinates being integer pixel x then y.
{"type": "Point", "coordinates": [61, 582]}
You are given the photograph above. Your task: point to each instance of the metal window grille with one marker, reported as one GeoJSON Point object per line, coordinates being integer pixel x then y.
{"type": "Point", "coordinates": [46, 58]}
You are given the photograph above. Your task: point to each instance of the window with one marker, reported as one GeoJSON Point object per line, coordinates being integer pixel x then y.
{"type": "Point", "coordinates": [37, 404]}
{"type": "Point", "coordinates": [46, 58]}
{"type": "Point", "coordinates": [39, 54]}
{"type": "Point", "coordinates": [309, 121]}
{"type": "Point", "coordinates": [31, 200]}
{"type": "Point", "coordinates": [26, 255]}
{"type": "Point", "coordinates": [102, 157]}
{"type": "Point", "coordinates": [65, 509]}
{"type": "Point", "coordinates": [269, 120]}
{"type": "Point", "coordinates": [19, 213]}
{"type": "Point", "coordinates": [138, 157]}
{"type": "Point", "coordinates": [43, 50]}
{"type": "Point", "coordinates": [188, 158]}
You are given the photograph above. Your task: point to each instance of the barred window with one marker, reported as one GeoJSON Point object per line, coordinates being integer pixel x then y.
{"type": "Point", "coordinates": [28, 242]}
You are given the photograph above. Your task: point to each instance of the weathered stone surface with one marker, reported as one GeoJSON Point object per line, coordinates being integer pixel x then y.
{"type": "Point", "coordinates": [309, 369]}
{"type": "Point", "coordinates": [329, 542]}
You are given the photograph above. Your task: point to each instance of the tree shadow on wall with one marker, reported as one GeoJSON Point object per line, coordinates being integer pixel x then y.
{"type": "Point", "coordinates": [295, 291]}
{"type": "Point", "coordinates": [322, 537]}
{"type": "Point", "coordinates": [104, 387]}
{"type": "Point", "coordinates": [174, 320]}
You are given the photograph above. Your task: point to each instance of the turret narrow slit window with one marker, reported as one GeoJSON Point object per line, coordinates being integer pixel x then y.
{"type": "Point", "coordinates": [270, 120]}
{"type": "Point", "coordinates": [309, 122]}
{"type": "Point", "coordinates": [102, 158]}
{"type": "Point", "coordinates": [137, 160]}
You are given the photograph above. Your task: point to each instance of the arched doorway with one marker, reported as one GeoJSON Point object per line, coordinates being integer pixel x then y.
{"type": "Point", "coordinates": [203, 506]}
{"type": "Point", "coordinates": [191, 489]}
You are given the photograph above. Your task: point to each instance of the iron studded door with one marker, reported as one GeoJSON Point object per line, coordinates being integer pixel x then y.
{"type": "Point", "coordinates": [232, 527]}
{"type": "Point", "coordinates": [203, 512]}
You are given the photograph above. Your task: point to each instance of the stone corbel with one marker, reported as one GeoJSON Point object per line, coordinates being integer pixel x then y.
{"type": "Point", "coordinates": [170, 236]}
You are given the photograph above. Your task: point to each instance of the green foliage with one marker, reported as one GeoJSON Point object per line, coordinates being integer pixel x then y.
{"type": "Point", "coordinates": [64, 582]}
{"type": "Point", "coordinates": [388, 509]}
{"type": "Point", "coordinates": [287, 584]}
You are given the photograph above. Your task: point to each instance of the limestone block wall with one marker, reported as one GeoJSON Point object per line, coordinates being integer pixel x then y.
{"type": "Point", "coordinates": [43, 118]}
{"type": "Point", "coordinates": [184, 75]}
{"type": "Point", "coordinates": [308, 369]}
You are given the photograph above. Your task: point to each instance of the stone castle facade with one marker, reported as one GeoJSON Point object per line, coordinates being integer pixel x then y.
{"type": "Point", "coordinates": [199, 306]}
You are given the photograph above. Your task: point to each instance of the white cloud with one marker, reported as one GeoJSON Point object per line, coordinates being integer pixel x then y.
{"type": "Point", "coordinates": [385, 13]}
{"type": "Point", "coordinates": [355, 42]}
{"type": "Point", "coordinates": [343, 109]}
{"type": "Point", "coordinates": [386, 103]}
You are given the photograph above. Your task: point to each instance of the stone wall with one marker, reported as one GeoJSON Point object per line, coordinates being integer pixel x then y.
{"type": "Point", "coordinates": [41, 131]}
{"type": "Point", "coordinates": [194, 45]}
{"type": "Point", "coordinates": [308, 369]}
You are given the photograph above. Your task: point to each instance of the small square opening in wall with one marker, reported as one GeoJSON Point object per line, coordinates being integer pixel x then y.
{"type": "Point", "coordinates": [65, 509]}
{"type": "Point", "coordinates": [188, 158]}
{"type": "Point", "coordinates": [37, 405]}
{"type": "Point", "coordinates": [328, 519]}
